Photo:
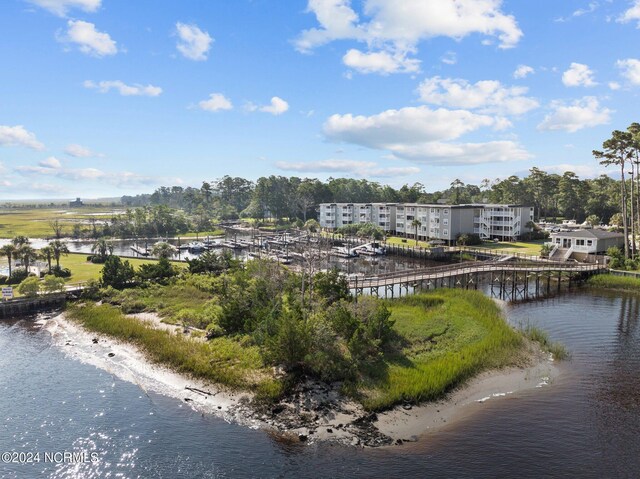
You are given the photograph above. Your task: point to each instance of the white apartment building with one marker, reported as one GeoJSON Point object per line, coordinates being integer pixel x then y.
{"type": "Point", "coordinates": [443, 222]}
{"type": "Point", "coordinates": [335, 215]}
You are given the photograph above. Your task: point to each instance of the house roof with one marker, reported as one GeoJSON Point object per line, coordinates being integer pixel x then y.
{"type": "Point", "coordinates": [592, 233]}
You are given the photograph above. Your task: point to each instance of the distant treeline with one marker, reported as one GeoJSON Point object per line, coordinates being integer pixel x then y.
{"type": "Point", "coordinates": [553, 195]}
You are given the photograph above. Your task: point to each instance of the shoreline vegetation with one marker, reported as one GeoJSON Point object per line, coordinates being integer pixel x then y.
{"type": "Point", "coordinates": [443, 344]}
{"type": "Point", "coordinates": [440, 340]}
{"type": "Point", "coordinates": [613, 282]}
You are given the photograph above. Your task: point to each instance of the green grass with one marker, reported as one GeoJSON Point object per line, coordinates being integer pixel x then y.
{"type": "Point", "coordinates": [34, 222]}
{"type": "Point", "coordinates": [443, 339]}
{"type": "Point", "coordinates": [406, 242]}
{"type": "Point", "coordinates": [202, 234]}
{"type": "Point", "coordinates": [232, 362]}
{"type": "Point", "coordinates": [82, 270]}
{"type": "Point", "coordinates": [558, 350]}
{"type": "Point", "coordinates": [529, 248]}
{"type": "Point", "coordinates": [610, 281]}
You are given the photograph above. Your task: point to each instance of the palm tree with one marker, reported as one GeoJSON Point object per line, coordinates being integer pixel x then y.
{"type": "Point", "coordinates": [59, 249]}
{"type": "Point", "coordinates": [162, 249]}
{"type": "Point", "coordinates": [416, 223]}
{"type": "Point", "coordinates": [10, 251]}
{"type": "Point", "coordinates": [46, 254]}
{"type": "Point", "coordinates": [18, 241]}
{"type": "Point", "coordinates": [28, 254]}
{"type": "Point", "coordinates": [102, 248]}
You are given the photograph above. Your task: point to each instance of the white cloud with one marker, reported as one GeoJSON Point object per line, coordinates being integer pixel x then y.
{"type": "Point", "coordinates": [578, 74]}
{"type": "Point", "coordinates": [463, 153]}
{"type": "Point", "coordinates": [79, 151]}
{"type": "Point", "coordinates": [396, 27]}
{"type": "Point", "coordinates": [193, 43]}
{"type": "Point", "coordinates": [51, 162]}
{"type": "Point", "coordinates": [61, 7]}
{"type": "Point", "coordinates": [490, 96]}
{"type": "Point", "coordinates": [583, 171]}
{"type": "Point", "coordinates": [523, 71]}
{"type": "Point", "coordinates": [216, 102]}
{"type": "Point", "coordinates": [449, 58]}
{"type": "Point", "coordinates": [120, 178]}
{"type": "Point", "coordinates": [3, 169]}
{"type": "Point", "coordinates": [362, 169]}
{"type": "Point", "coordinates": [125, 90]}
{"type": "Point", "coordinates": [632, 14]}
{"type": "Point", "coordinates": [382, 62]}
{"type": "Point", "coordinates": [277, 106]}
{"type": "Point", "coordinates": [583, 113]}
{"type": "Point", "coordinates": [614, 85]}
{"type": "Point", "coordinates": [18, 136]}
{"type": "Point", "coordinates": [424, 135]}
{"type": "Point", "coordinates": [630, 69]}
{"type": "Point", "coordinates": [88, 39]}
{"type": "Point", "coordinates": [407, 125]}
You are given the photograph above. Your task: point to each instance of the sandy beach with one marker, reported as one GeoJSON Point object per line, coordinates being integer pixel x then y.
{"type": "Point", "coordinates": [313, 412]}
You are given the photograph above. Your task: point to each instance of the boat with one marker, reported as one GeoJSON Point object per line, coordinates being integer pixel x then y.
{"type": "Point", "coordinates": [196, 247]}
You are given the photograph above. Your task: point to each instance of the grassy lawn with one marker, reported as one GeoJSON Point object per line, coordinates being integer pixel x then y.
{"type": "Point", "coordinates": [82, 270]}
{"type": "Point", "coordinates": [406, 242]}
{"type": "Point", "coordinates": [202, 234]}
{"type": "Point", "coordinates": [530, 247]}
{"type": "Point", "coordinates": [443, 338]}
{"type": "Point", "coordinates": [34, 222]}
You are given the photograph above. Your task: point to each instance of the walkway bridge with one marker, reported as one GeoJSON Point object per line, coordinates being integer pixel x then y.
{"type": "Point", "coordinates": [518, 276]}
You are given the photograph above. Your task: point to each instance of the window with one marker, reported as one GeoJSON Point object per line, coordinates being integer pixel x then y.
{"type": "Point", "coordinates": [446, 212]}
{"type": "Point", "coordinates": [445, 232]}
{"type": "Point", "coordinates": [589, 242]}
{"type": "Point", "coordinates": [445, 222]}
{"type": "Point", "coordinates": [580, 242]}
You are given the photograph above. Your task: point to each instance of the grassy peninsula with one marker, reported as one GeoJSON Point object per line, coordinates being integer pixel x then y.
{"type": "Point", "coordinates": [381, 352]}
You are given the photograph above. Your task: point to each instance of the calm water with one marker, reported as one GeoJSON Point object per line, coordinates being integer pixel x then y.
{"type": "Point", "coordinates": [587, 424]}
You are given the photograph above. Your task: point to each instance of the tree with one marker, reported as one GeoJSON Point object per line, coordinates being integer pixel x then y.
{"type": "Point", "coordinates": [20, 240]}
{"type": "Point", "coordinates": [29, 287]}
{"type": "Point", "coordinates": [59, 248]}
{"type": "Point", "coordinates": [102, 249]}
{"type": "Point", "coordinates": [52, 284]}
{"type": "Point", "coordinates": [593, 220]}
{"type": "Point", "coordinates": [46, 254]}
{"type": "Point", "coordinates": [312, 226]}
{"type": "Point", "coordinates": [11, 252]}
{"type": "Point", "coordinates": [617, 150]}
{"type": "Point", "coordinates": [162, 249]}
{"type": "Point", "coordinates": [116, 273]}
{"type": "Point", "coordinates": [160, 272]}
{"type": "Point", "coordinates": [56, 226]}
{"type": "Point", "coordinates": [456, 185]}
{"type": "Point", "coordinates": [27, 254]}
{"type": "Point", "coordinates": [416, 223]}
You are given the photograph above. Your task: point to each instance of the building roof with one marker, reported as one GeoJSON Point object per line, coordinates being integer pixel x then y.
{"type": "Point", "coordinates": [593, 233]}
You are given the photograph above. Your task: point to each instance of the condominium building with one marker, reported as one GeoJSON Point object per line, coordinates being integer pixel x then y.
{"type": "Point", "coordinates": [335, 215]}
{"type": "Point", "coordinates": [442, 222]}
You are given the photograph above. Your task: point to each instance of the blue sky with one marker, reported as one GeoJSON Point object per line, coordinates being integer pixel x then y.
{"type": "Point", "coordinates": [111, 97]}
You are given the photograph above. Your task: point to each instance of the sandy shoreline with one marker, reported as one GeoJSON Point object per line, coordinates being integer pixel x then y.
{"type": "Point", "coordinates": [313, 412]}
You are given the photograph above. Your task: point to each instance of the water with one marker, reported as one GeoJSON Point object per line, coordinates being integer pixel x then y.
{"type": "Point", "coordinates": [587, 424]}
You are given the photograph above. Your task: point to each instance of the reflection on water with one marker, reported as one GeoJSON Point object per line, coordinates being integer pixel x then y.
{"type": "Point", "coordinates": [586, 424]}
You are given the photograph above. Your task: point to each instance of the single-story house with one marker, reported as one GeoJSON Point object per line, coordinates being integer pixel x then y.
{"type": "Point", "coordinates": [591, 241]}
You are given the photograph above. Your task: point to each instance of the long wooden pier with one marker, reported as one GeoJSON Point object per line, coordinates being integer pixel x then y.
{"type": "Point", "coordinates": [504, 274]}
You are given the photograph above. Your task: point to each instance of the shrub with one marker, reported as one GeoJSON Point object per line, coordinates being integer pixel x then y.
{"type": "Point", "coordinates": [3, 279]}
{"type": "Point", "coordinates": [17, 276]}
{"type": "Point", "coordinates": [116, 273]}
{"type": "Point", "coordinates": [30, 287]}
{"type": "Point", "coordinates": [52, 284]}
{"type": "Point", "coordinates": [59, 272]}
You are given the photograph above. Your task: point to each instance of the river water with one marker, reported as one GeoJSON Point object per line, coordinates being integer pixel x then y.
{"type": "Point", "coordinates": [586, 424]}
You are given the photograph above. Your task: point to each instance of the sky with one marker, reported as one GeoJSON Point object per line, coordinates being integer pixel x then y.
{"type": "Point", "coordinates": [103, 98]}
